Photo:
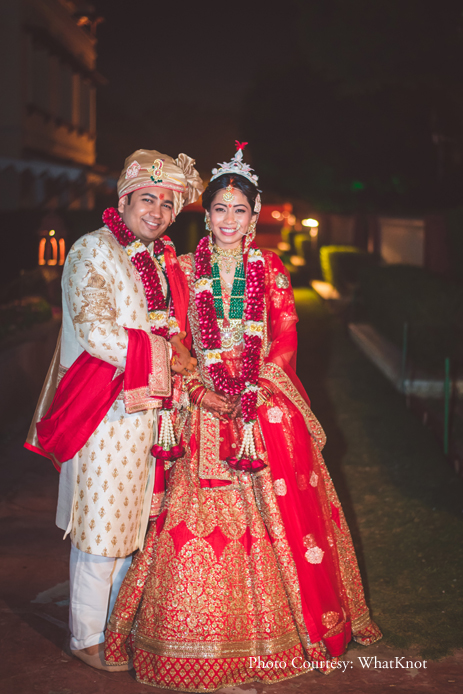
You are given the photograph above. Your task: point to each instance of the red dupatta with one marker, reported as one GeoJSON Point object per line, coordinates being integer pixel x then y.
{"type": "Point", "coordinates": [299, 473]}
{"type": "Point", "coordinates": [89, 388]}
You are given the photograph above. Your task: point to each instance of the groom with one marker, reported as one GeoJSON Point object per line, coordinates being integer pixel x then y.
{"type": "Point", "coordinates": [119, 325]}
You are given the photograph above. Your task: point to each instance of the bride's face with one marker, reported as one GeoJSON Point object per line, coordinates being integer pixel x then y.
{"type": "Point", "coordinates": [230, 217]}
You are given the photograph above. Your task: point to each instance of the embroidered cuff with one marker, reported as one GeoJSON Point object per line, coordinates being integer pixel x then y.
{"type": "Point", "coordinates": [160, 384]}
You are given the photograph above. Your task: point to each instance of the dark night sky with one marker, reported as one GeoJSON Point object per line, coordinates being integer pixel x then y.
{"type": "Point", "coordinates": [349, 104]}
{"type": "Point", "coordinates": [178, 73]}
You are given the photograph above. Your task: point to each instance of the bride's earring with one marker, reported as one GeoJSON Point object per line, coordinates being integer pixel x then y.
{"type": "Point", "coordinates": [207, 222]}
{"type": "Point", "coordinates": [251, 229]}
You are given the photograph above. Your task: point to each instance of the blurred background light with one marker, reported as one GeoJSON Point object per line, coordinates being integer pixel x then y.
{"type": "Point", "coordinates": [310, 223]}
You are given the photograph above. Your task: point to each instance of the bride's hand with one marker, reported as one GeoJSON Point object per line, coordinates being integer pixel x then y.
{"type": "Point", "coordinates": [217, 404]}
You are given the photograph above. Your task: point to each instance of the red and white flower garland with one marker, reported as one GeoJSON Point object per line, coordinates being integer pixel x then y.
{"type": "Point", "coordinates": [162, 319]}
{"type": "Point", "coordinates": [246, 384]}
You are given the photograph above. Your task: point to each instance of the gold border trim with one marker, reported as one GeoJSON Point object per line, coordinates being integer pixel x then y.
{"type": "Point", "coordinates": [140, 399]}
{"type": "Point", "coordinates": [159, 380]}
{"type": "Point", "coordinates": [210, 465]}
{"type": "Point", "coordinates": [361, 622]}
{"type": "Point", "coordinates": [276, 375]}
{"type": "Point", "coordinates": [119, 626]}
{"type": "Point", "coordinates": [223, 649]}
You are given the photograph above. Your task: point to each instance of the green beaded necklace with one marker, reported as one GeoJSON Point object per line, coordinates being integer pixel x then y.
{"type": "Point", "coordinates": [237, 293]}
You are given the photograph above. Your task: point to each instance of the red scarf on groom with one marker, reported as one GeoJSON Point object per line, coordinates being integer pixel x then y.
{"type": "Point", "coordinates": [90, 387]}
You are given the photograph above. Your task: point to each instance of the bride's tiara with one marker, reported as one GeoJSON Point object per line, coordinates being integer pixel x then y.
{"type": "Point", "coordinates": [236, 166]}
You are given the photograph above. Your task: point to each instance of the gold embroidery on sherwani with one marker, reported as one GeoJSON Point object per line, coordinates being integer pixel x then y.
{"type": "Point", "coordinates": [112, 521]}
{"type": "Point", "coordinates": [96, 303]}
{"type": "Point", "coordinates": [118, 458]}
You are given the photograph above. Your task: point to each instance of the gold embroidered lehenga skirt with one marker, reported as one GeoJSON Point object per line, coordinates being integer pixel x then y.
{"type": "Point", "coordinates": [215, 595]}
{"type": "Point", "coordinates": [244, 576]}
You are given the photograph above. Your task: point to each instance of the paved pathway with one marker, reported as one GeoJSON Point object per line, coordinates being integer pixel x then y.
{"type": "Point", "coordinates": [374, 449]}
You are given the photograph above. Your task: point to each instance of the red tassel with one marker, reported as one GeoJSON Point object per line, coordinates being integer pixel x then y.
{"type": "Point", "coordinates": [158, 452]}
{"type": "Point", "coordinates": [240, 145]}
{"type": "Point", "coordinates": [175, 452]}
{"type": "Point", "coordinates": [246, 465]}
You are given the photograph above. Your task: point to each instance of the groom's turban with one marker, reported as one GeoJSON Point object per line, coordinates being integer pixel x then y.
{"type": "Point", "coordinates": [147, 167]}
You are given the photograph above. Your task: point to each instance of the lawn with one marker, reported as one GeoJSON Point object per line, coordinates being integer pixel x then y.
{"type": "Point", "coordinates": [402, 500]}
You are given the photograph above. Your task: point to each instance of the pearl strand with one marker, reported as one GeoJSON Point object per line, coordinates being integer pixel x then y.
{"type": "Point", "coordinates": [248, 445]}
{"type": "Point", "coordinates": [167, 434]}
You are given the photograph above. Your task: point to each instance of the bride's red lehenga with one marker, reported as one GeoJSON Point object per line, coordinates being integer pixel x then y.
{"type": "Point", "coordinates": [240, 569]}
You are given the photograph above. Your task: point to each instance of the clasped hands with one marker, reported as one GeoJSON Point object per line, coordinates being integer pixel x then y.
{"type": "Point", "coordinates": [222, 406]}
{"type": "Point", "coordinates": [182, 362]}
{"type": "Point", "coordinates": [218, 404]}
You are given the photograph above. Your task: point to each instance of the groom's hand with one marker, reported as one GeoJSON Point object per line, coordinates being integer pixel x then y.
{"type": "Point", "coordinates": [182, 362]}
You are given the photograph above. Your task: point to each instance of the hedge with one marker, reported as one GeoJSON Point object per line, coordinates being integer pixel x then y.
{"type": "Point", "coordinates": [432, 306]}
{"type": "Point", "coordinates": [341, 265]}
{"type": "Point", "coordinates": [22, 314]}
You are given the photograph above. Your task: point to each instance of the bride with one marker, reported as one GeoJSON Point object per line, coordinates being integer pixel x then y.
{"type": "Point", "coordinates": [248, 571]}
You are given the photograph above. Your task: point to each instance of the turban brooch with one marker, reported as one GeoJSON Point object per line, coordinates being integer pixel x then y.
{"type": "Point", "coordinates": [147, 167]}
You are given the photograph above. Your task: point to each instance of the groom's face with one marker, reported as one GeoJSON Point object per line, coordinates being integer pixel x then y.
{"type": "Point", "coordinates": [149, 212]}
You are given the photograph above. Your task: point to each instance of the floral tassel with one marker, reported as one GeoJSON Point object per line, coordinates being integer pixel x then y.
{"type": "Point", "coordinates": [247, 459]}
{"type": "Point", "coordinates": [167, 448]}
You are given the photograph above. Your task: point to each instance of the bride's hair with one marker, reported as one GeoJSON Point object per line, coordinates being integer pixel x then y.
{"type": "Point", "coordinates": [236, 181]}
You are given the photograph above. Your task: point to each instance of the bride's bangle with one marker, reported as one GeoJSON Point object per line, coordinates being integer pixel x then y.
{"type": "Point", "coordinates": [263, 395]}
{"type": "Point", "coordinates": [201, 398]}
{"type": "Point", "coordinates": [193, 384]}
{"type": "Point", "coordinates": [192, 377]}
{"type": "Point", "coordinates": [198, 394]}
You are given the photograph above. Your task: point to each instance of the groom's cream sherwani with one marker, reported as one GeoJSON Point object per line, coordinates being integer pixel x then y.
{"type": "Point", "coordinates": [105, 490]}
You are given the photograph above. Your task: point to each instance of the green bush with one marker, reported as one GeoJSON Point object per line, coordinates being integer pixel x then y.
{"type": "Point", "coordinates": [22, 314]}
{"type": "Point", "coordinates": [303, 245]}
{"type": "Point", "coordinates": [42, 281]}
{"type": "Point", "coordinates": [432, 306]}
{"type": "Point", "coordinates": [341, 265]}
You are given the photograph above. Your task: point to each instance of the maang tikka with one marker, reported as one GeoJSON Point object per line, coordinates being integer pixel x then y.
{"type": "Point", "coordinates": [228, 195]}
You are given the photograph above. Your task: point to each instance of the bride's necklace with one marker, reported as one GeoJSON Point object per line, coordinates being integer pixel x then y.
{"type": "Point", "coordinates": [252, 311]}
{"type": "Point", "coordinates": [232, 331]}
{"type": "Point", "coordinates": [225, 257]}
{"type": "Point", "coordinates": [237, 290]}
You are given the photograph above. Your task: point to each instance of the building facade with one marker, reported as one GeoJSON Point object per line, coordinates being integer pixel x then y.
{"type": "Point", "coordinates": [48, 107]}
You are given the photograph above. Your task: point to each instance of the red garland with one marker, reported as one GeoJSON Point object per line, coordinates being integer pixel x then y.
{"type": "Point", "coordinates": [143, 264]}
{"type": "Point", "coordinates": [210, 332]}
{"type": "Point", "coordinates": [146, 269]}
